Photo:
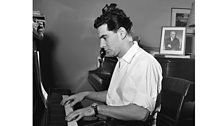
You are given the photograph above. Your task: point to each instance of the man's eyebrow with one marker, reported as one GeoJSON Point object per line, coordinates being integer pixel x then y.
{"type": "Point", "coordinates": [102, 36]}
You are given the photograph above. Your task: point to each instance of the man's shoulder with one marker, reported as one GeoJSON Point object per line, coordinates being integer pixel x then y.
{"type": "Point", "coordinates": [144, 56]}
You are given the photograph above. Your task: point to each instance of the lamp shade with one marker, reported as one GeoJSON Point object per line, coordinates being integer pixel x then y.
{"type": "Point", "coordinates": [191, 19]}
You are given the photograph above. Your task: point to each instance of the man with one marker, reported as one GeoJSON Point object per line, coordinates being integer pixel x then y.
{"type": "Point", "coordinates": [136, 80]}
{"type": "Point", "coordinates": [172, 42]}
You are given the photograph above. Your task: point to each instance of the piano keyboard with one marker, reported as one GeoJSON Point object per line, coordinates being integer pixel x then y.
{"type": "Point", "coordinates": [69, 109]}
{"type": "Point", "coordinates": [57, 112]}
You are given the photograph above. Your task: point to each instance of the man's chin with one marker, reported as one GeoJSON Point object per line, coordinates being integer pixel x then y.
{"type": "Point", "coordinates": [109, 55]}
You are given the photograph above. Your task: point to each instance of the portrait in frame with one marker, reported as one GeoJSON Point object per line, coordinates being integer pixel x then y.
{"type": "Point", "coordinates": [173, 40]}
{"type": "Point", "coordinates": [179, 16]}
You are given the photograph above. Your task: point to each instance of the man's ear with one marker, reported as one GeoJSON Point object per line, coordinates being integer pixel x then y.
{"type": "Point", "coordinates": [122, 33]}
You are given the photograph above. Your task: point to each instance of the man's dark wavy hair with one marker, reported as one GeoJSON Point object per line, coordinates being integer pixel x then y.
{"type": "Point", "coordinates": [114, 18]}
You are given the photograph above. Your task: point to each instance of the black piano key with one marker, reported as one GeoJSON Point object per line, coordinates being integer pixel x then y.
{"type": "Point", "coordinates": [54, 100]}
{"type": "Point", "coordinates": [57, 100]}
{"type": "Point", "coordinates": [58, 123]}
{"type": "Point", "coordinates": [57, 117]}
{"type": "Point", "coordinates": [55, 106]}
{"type": "Point", "coordinates": [57, 112]}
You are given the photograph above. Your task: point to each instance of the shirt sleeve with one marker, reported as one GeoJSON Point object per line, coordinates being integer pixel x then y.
{"type": "Point", "coordinates": [147, 79]}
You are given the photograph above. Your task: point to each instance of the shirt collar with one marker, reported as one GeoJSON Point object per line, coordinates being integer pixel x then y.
{"type": "Point", "coordinates": [130, 53]}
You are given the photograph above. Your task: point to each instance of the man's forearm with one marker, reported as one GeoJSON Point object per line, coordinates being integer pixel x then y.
{"type": "Point", "coordinates": [98, 96]}
{"type": "Point", "coordinates": [127, 112]}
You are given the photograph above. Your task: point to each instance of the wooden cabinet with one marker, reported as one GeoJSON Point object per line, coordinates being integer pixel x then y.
{"type": "Point", "coordinates": [182, 68]}
{"type": "Point", "coordinates": [178, 67]}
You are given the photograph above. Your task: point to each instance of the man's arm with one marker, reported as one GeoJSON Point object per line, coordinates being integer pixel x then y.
{"type": "Point", "coordinates": [73, 99]}
{"type": "Point", "coordinates": [98, 96]}
{"type": "Point", "coordinates": [127, 112]}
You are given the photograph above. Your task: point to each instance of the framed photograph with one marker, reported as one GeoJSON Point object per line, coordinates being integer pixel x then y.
{"type": "Point", "coordinates": [173, 40]}
{"type": "Point", "coordinates": [179, 16]}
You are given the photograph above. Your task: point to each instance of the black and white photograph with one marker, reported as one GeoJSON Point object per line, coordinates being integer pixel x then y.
{"type": "Point", "coordinates": [94, 64]}
{"type": "Point", "coordinates": [173, 40]}
{"type": "Point", "coordinates": [179, 16]}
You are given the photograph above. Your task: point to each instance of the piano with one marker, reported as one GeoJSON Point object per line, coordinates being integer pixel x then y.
{"type": "Point", "coordinates": [47, 110]}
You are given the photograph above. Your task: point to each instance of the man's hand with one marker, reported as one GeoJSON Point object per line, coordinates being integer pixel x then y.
{"type": "Point", "coordinates": [78, 114]}
{"type": "Point", "coordinates": [73, 99]}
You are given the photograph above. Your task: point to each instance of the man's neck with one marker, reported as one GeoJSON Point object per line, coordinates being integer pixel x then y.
{"type": "Point", "coordinates": [125, 47]}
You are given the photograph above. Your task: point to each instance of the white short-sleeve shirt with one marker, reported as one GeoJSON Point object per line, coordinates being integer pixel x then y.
{"type": "Point", "coordinates": [136, 79]}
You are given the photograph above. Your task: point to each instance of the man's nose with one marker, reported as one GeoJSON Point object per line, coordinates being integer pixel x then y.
{"type": "Point", "coordinates": [102, 44]}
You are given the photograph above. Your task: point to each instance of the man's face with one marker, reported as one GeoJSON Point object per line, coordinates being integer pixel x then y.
{"type": "Point", "coordinates": [109, 41]}
{"type": "Point", "coordinates": [172, 34]}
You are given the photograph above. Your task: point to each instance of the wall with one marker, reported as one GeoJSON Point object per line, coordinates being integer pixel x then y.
{"type": "Point", "coordinates": [71, 45]}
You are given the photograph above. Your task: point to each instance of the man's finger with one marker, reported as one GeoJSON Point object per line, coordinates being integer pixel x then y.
{"type": "Point", "coordinates": [73, 103]}
{"type": "Point", "coordinates": [64, 100]}
{"type": "Point", "coordinates": [71, 116]}
{"type": "Point", "coordinates": [78, 118]}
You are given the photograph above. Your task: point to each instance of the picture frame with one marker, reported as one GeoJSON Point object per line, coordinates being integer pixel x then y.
{"type": "Point", "coordinates": [175, 46]}
{"type": "Point", "coordinates": [179, 16]}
